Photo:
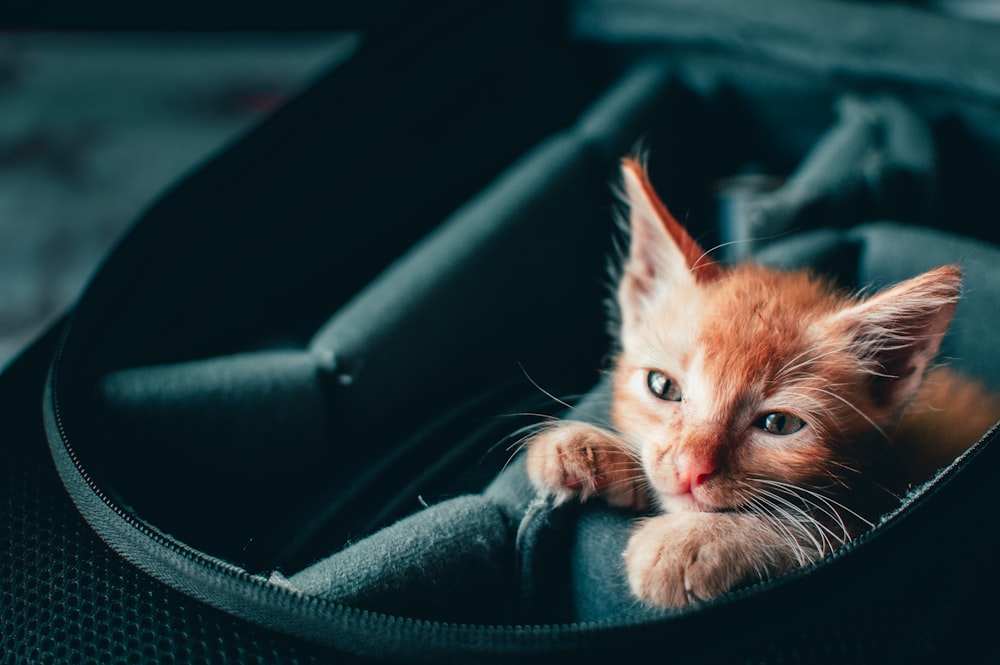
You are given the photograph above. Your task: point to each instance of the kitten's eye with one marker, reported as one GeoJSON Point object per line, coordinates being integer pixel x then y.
{"type": "Point", "coordinates": [781, 424]}
{"type": "Point", "coordinates": [663, 387]}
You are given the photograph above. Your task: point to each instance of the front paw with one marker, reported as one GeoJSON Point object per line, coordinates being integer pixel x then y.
{"type": "Point", "coordinates": [573, 459]}
{"type": "Point", "coordinates": [677, 559]}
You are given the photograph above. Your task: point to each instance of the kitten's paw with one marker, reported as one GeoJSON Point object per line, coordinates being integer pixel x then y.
{"type": "Point", "coordinates": [574, 459]}
{"type": "Point", "coordinates": [674, 560]}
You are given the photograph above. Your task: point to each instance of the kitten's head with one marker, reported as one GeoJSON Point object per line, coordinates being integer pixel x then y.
{"type": "Point", "coordinates": [731, 378]}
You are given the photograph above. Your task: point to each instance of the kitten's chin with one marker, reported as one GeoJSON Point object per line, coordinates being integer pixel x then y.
{"type": "Point", "coordinates": [685, 503]}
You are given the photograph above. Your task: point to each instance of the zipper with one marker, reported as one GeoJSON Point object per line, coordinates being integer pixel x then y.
{"type": "Point", "coordinates": [397, 636]}
{"type": "Point", "coordinates": [213, 565]}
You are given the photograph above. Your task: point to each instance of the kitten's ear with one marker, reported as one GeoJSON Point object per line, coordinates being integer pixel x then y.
{"type": "Point", "coordinates": [897, 332]}
{"type": "Point", "coordinates": [662, 255]}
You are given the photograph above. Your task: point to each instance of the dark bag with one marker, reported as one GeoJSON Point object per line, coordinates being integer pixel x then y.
{"type": "Point", "coordinates": [283, 415]}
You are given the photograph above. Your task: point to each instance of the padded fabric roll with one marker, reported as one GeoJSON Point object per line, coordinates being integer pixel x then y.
{"type": "Point", "coordinates": [230, 405]}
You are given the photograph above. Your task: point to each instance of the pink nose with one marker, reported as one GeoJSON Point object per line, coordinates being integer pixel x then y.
{"type": "Point", "coordinates": [693, 470]}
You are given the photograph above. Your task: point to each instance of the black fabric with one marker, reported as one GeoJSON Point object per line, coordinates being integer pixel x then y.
{"type": "Point", "coordinates": [753, 56]}
{"type": "Point", "coordinates": [552, 201]}
{"type": "Point", "coordinates": [66, 597]}
{"type": "Point", "coordinates": [345, 178]}
{"type": "Point", "coordinates": [257, 435]}
{"type": "Point", "coordinates": [247, 401]}
{"type": "Point", "coordinates": [185, 15]}
{"type": "Point", "coordinates": [876, 162]}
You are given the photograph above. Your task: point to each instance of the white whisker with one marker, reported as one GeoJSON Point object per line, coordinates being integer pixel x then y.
{"type": "Point", "coordinates": [543, 390]}
{"type": "Point", "coordinates": [783, 527]}
{"type": "Point", "coordinates": [831, 503]}
{"type": "Point", "coordinates": [821, 536]}
{"type": "Point", "coordinates": [851, 406]}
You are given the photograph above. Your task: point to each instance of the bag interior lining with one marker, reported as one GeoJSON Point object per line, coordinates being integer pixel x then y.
{"type": "Point", "coordinates": [252, 434]}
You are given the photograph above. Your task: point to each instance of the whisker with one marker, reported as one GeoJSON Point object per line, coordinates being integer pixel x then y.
{"type": "Point", "coordinates": [794, 491]}
{"type": "Point", "coordinates": [791, 491]}
{"type": "Point", "coordinates": [527, 414]}
{"type": "Point", "coordinates": [697, 262]}
{"type": "Point", "coordinates": [824, 533]}
{"type": "Point", "coordinates": [543, 390]}
{"type": "Point", "coordinates": [766, 511]}
{"type": "Point", "coordinates": [832, 503]}
{"type": "Point", "coordinates": [788, 367]}
{"type": "Point", "coordinates": [852, 406]}
{"type": "Point", "coordinates": [517, 446]}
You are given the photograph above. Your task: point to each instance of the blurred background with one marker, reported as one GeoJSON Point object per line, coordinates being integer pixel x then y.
{"type": "Point", "coordinates": [94, 127]}
{"type": "Point", "coordinates": [112, 102]}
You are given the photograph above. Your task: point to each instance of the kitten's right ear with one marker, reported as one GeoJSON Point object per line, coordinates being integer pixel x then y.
{"type": "Point", "coordinates": [897, 333]}
{"type": "Point", "coordinates": [663, 257]}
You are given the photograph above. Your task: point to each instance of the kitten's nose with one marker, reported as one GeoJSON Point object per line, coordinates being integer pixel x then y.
{"type": "Point", "coordinates": [693, 470]}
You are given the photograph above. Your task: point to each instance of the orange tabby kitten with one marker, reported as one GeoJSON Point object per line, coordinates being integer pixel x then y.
{"type": "Point", "coordinates": [746, 402]}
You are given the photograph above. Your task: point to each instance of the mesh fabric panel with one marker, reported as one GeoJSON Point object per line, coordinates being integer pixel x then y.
{"type": "Point", "coordinates": [66, 598]}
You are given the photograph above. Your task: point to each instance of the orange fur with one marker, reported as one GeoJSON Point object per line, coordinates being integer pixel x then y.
{"type": "Point", "coordinates": [743, 347]}
{"type": "Point", "coordinates": [948, 414]}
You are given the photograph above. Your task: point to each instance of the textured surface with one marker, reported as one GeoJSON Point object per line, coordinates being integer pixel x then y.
{"type": "Point", "coordinates": [439, 564]}
{"type": "Point", "coordinates": [66, 598]}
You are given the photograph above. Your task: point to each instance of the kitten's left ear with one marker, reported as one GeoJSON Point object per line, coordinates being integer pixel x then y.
{"type": "Point", "coordinates": [663, 257]}
{"type": "Point", "coordinates": [898, 332]}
